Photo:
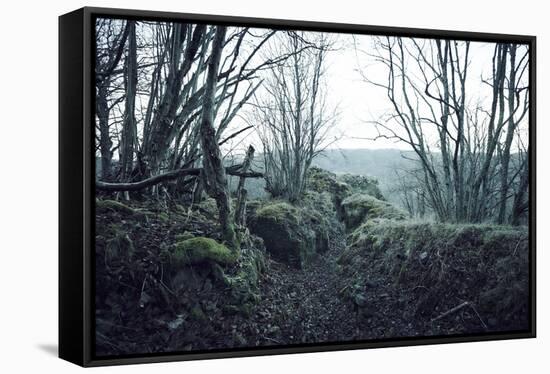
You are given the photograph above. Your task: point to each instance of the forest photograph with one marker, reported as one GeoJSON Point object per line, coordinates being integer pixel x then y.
{"type": "Point", "coordinates": [259, 187]}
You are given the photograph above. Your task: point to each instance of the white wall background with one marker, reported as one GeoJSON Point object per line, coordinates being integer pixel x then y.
{"type": "Point", "coordinates": [28, 185]}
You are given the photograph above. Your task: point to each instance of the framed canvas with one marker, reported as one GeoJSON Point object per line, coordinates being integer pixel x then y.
{"type": "Point", "coordinates": [235, 186]}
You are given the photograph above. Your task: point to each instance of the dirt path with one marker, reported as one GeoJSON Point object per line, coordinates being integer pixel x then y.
{"type": "Point", "coordinates": [304, 306]}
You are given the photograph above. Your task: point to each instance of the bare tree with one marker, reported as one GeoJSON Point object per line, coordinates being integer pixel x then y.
{"type": "Point", "coordinates": [216, 181]}
{"type": "Point", "coordinates": [292, 115]}
{"type": "Point", "coordinates": [427, 90]}
{"type": "Point", "coordinates": [129, 129]}
{"type": "Point", "coordinates": [110, 41]}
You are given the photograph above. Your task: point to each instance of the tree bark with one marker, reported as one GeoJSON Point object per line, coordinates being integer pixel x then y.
{"type": "Point", "coordinates": [129, 128]}
{"type": "Point", "coordinates": [505, 165]}
{"type": "Point", "coordinates": [105, 142]}
{"type": "Point", "coordinates": [172, 175]}
{"type": "Point", "coordinates": [521, 199]}
{"type": "Point", "coordinates": [214, 172]}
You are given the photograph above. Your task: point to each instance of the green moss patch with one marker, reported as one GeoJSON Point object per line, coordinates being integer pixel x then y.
{"type": "Point", "coordinates": [281, 212]}
{"type": "Point", "coordinates": [362, 184]}
{"type": "Point", "coordinates": [291, 234]}
{"type": "Point", "coordinates": [359, 208]}
{"type": "Point", "coordinates": [200, 250]}
{"type": "Point", "coordinates": [323, 181]}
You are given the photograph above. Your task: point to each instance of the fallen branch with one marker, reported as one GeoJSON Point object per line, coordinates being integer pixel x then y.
{"type": "Point", "coordinates": [171, 175]}
{"type": "Point", "coordinates": [452, 310]}
{"type": "Point", "coordinates": [458, 307]}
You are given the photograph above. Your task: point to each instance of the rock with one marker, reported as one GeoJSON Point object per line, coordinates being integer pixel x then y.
{"type": "Point", "coordinates": [286, 234]}
{"type": "Point", "coordinates": [323, 181]}
{"type": "Point", "coordinates": [358, 208]}
{"type": "Point", "coordinates": [362, 184]}
{"type": "Point", "coordinates": [200, 250]}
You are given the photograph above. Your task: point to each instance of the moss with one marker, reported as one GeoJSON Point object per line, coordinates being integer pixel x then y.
{"type": "Point", "coordinates": [252, 207]}
{"type": "Point", "coordinates": [286, 231]}
{"type": "Point", "coordinates": [208, 207]}
{"type": "Point", "coordinates": [280, 212]}
{"type": "Point", "coordinates": [231, 238]}
{"type": "Point", "coordinates": [200, 250]}
{"type": "Point", "coordinates": [362, 184]}
{"type": "Point", "coordinates": [320, 180]}
{"type": "Point", "coordinates": [243, 279]}
{"type": "Point", "coordinates": [359, 208]}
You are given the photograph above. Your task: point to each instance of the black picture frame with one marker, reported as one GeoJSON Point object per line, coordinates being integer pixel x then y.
{"type": "Point", "coordinates": [76, 183]}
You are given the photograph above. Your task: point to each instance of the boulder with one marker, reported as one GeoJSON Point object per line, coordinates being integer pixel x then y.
{"type": "Point", "coordinates": [286, 232]}
{"type": "Point", "coordinates": [323, 181]}
{"type": "Point", "coordinates": [358, 208]}
{"type": "Point", "coordinates": [362, 184]}
{"type": "Point", "coordinates": [200, 250]}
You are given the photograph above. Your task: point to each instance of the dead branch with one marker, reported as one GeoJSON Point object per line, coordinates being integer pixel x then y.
{"type": "Point", "coordinates": [451, 311]}
{"type": "Point", "coordinates": [171, 175]}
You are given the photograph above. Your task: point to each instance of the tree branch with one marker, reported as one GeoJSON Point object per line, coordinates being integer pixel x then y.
{"type": "Point", "coordinates": [171, 175]}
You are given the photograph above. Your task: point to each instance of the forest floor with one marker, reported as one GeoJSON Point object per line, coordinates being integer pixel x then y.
{"type": "Point", "coordinates": [306, 304]}
{"type": "Point", "coordinates": [138, 309]}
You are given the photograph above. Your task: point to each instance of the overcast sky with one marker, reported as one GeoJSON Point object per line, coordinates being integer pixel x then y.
{"type": "Point", "coordinates": [360, 102]}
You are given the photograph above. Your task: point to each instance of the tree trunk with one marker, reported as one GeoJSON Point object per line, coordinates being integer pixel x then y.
{"type": "Point", "coordinates": [105, 143]}
{"type": "Point", "coordinates": [129, 127]}
{"type": "Point", "coordinates": [214, 171]}
{"type": "Point", "coordinates": [521, 199]}
{"type": "Point", "coordinates": [505, 165]}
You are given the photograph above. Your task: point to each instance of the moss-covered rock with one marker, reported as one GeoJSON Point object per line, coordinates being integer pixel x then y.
{"type": "Point", "coordinates": [201, 250]}
{"type": "Point", "coordinates": [244, 284]}
{"type": "Point", "coordinates": [362, 184]}
{"type": "Point", "coordinates": [320, 180]}
{"type": "Point", "coordinates": [208, 207]}
{"type": "Point", "coordinates": [323, 181]}
{"type": "Point", "coordinates": [359, 208]}
{"type": "Point", "coordinates": [285, 230]}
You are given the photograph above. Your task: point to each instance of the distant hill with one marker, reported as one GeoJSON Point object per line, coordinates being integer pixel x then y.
{"type": "Point", "coordinates": [378, 163]}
